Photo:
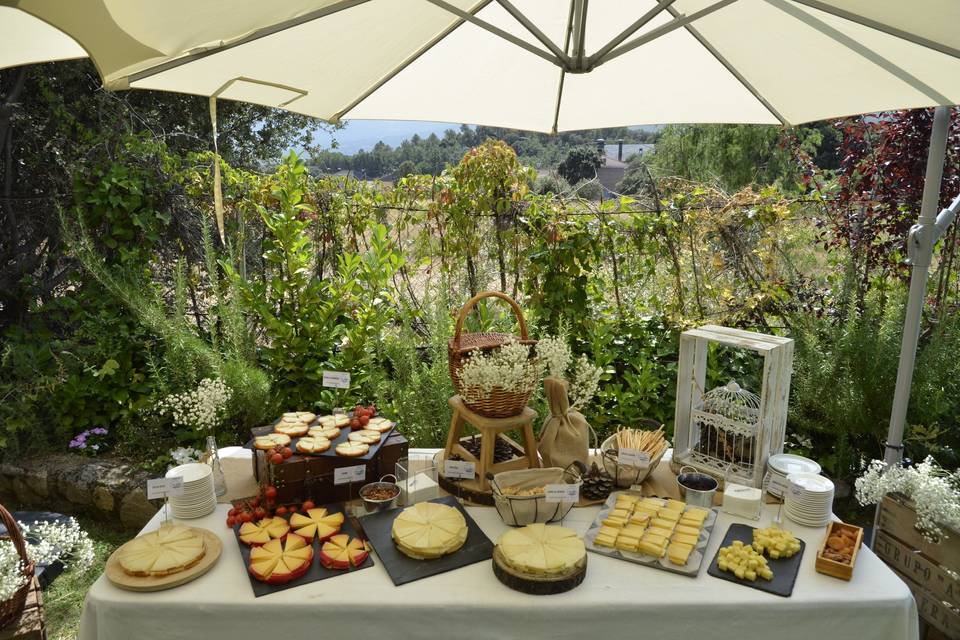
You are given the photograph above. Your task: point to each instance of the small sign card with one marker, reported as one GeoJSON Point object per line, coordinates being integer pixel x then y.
{"type": "Point", "coordinates": [158, 488]}
{"type": "Point", "coordinates": [561, 493]}
{"type": "Point", "coordinates": [633, 458]}
{"type": "Point", "coordinates": [346, 475]}
{"type": "Point", "coordinates": [777, 485]}
{"type": "Point", "coordinates": [459, 469]}
{"type": "Point", "coordinates": [336, 379]}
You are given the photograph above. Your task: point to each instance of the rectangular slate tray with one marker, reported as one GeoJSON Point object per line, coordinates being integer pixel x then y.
{"type": "Point", "coordinates": [694, 562]}
{"type": "Point", "coordinates": [403, 569]}
{"type": "Point", "coordinates": [784, 569]}
{"type": "Point", "coordinates": [316, 572]}
{"type": "Point", "coordinates": [332, 451]}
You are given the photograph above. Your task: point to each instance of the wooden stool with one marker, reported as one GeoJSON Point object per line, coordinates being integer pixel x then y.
{"type": "Point", "coordinates": [489, 429]}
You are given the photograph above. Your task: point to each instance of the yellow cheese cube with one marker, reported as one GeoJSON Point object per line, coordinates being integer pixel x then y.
{"type": "Point", "coordinates": [663, 523]}
{"type": "Point", "coordinates": [658, 531]}
{"type": "Point", "coordinates": [669, 514]}
{"type": "Point", "coordinates": [627, 543]}
{"type": "Point", "coordinates": [614, 522]}
{"type": "Point", "coordinates": [687, 530]}
{"type": "Point", "coordinates": [604, 541]}
{"type": "Point", "coordinates": [678, 554]}
{"type": "Point", "coordinates": [651, 549]}
{"type": "Point", "coordinates": [640, 519]}
{"type": "Point", "coordinates": [653, 538]}
{"type": "Point", "coordinates": [676, 505]}
{"type": "Point", "coordinates": [633, 530]}
{"type": "Point", "coordinates": [696, 512]}
{"type": "Point", "coordinates": [619, 513]}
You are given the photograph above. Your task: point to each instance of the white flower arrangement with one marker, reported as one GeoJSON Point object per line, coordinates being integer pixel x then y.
{"type": "Point", "coordinates": [509, 368]}
{"type": "Point", "coordinates": [934, 492]}
{"type": "Point", "coordinates": [47, 542]}
{"type": "Point", "coordinates": [201, 409]}
{"type": "Point", "coordinates": [584, 377]}
{"type": "Point", "coordinates": [184, 455]}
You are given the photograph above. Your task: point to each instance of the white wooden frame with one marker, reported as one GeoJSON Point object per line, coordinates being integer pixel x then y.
{"type": "Point", "coordinates": [777, 354]}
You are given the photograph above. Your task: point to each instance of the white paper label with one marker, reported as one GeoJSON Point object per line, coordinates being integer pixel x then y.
{"type": "Point", "coordinates": [561, 492]}
{"type": "Point", "coordinates": [459, 469]}
{"type": "Point", "coordinates": [633, 458]}
{"type": "Point", "coordinates": [336, 379]}
{"type": "Point", "coordinates": [163, 487]}
{"type": "Point", "coordinates": [777, 485]}
{"type": "Point", "coordinates": [346, 475]}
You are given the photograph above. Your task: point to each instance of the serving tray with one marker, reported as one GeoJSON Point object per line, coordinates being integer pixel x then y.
{"type": "Point", "coordinates": [784, 569]}
{"type": "Point", "coordinates": [316, 572]}
{"type": "Point", "coordinates": [332, 451]}
{"type": "Point", "coordinates": [694, 562]}
{"type": "Point", "coordinates": [404, 569]}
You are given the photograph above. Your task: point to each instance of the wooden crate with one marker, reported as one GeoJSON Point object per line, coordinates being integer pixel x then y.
{"type": "Point", "coordinates": [302, 477]}
{"type": "Point", "coordinates": [777, 354]}
{"type": "Point", "coordinates": [30, 625]}
{"type": "Point", "coordinates": [831, 567]}
{"type": "Point", "coordinates": [928, 569]}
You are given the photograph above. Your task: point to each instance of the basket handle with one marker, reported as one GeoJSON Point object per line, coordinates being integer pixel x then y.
{"type": "Point", "coordinates": [16, 537]}
{"type": "Point", "coordinates": [471, 303]}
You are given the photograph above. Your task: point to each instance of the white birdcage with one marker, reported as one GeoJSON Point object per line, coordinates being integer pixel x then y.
{"type": "Point", "coordinates": [729, 432]}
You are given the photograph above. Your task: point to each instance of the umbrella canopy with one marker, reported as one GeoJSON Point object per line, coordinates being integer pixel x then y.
{"type": "Point", "coordinates": [542, 65]}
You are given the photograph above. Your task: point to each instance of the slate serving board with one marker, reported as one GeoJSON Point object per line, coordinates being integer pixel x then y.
{"type": "Point", "coordinates": [332, 451]}
{"type": "Point", "coordinates": [784, 569]}
{"type": "Point", "coordinates": [403, 569]}
{"type": "Point", "coordinates": [316, 572]}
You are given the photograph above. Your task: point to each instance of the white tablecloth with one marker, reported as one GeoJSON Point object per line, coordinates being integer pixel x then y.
{"type": "Point", "coordinates": [617, 599]}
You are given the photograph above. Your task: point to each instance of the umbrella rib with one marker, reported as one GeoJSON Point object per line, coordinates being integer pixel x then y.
{"type": "Point", "coordinates": [406, 63]}
{"type": "Point", "coordinates": [520, 17]}
{"type": "Point", "coordinates": [497, 31]}
{"type": "Point", "coordinates": [879, 26]}
{"type": "Point", "coordinates": [870, 55]}
{"type": "Point", "coordinates": [680, 21]}
{"type": "Point", "coordinates": [632, 29]}
{"type": "Point", "coordinates": [730, 68]}
{"type": "Point", "coordinates": [563, 72]}
{"type": "Point", "coordinates": [256, 35]}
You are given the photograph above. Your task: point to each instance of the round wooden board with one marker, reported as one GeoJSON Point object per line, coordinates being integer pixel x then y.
{"type": "Point", "coordinates": [538, 585]}
{"type": "Point", "coordinates": [116, 574]}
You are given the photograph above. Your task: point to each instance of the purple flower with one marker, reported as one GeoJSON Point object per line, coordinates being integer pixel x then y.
{"type": "Point", "coordinates": [99, 431]}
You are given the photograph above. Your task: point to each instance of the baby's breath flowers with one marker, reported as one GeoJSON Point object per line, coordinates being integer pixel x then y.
{"type": "Point", "coordinates": [509, 367]}
{"type": "Point", "coordinates": [47, 542]}
{"type": "Point", "coordinates": [584, 377]}
{"type": "Point", "coordinates": [935, 493]}
{"type": "Point", "coordinates": [201, 409]}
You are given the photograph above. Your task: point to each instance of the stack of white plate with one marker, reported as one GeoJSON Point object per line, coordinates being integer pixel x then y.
{"type": "Point", "coordinates": [809, 500]}
{"type": "Point", "coordinates": [781, 465]}
{"type": "Point", "coordinates": [198, 498]}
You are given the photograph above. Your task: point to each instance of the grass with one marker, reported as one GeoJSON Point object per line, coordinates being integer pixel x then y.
{"type": "Point", "coordinates": [63, 600]}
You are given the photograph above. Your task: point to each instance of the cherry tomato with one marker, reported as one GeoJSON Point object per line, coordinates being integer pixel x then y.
{"type": "Point", "coordinates": [307, 505]}
{"type": "Point", "coordinates": [255, 503]}
{"type": "Point", "coordinates": [260, 513]}
{"type": "Point", "coordinates": [233, 512]}
{"type": "Point", "coordinates": [355, 423]}
{"type": "Point", "coordinates": [364, 420]}
{"type": "Point", "coordinates": [277, 458]}
{"type": "Point", "coordinates": [245, 517]}
{"type": "Point", "coordinates": [287, 452]}
{"type": "Point", "coordinates": [281, 511]}
{"type": "Point", "coordinates": [231, 521]}
{"type": "Point", "coordinates": [270, 492]}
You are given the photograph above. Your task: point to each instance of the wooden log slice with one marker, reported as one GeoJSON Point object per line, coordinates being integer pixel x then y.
{"type": "Point", "coordinates": [538, 585]}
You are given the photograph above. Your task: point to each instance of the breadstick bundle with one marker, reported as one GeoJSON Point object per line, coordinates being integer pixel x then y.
{"type": "Point", "coordinates": [651, 442]}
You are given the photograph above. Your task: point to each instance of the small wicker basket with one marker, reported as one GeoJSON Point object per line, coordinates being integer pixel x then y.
{"type": "Point", "coordinates": [521, 510]}
{"type": "Point", "coordinates": [11, 608]}
{"type": "Point", "coordinates": [625, 476]}
{"type": "Point", "coordinates": [499, 403]}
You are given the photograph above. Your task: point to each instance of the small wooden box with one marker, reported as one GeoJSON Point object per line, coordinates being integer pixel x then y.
{"type": "Point", "coordinates": [833, 568]}
{"type": "Point", "coordinates": [30, 625]}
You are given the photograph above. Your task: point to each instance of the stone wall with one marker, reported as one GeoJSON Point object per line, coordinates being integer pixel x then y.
{"type": "Point", "coordinates": [103, 488]}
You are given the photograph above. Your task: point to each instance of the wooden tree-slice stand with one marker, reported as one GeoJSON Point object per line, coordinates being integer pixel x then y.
{"type": "Point", "coordinates": [120, 578]}
{"type": "Point", "coordinates": [538, 585]}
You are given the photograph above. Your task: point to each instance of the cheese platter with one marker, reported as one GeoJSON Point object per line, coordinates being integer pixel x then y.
{"type": "Point", "coordinates": [284, 552]}
{"type": "Point", "coordinates": [540, 559]}
{"type": "Point", "coordinates": [426, 539]}
{"type": "Point", "coordinates": [167, 557]}
{"type": "Point", "coordinates": [655, 532]}
{"type": "Point", "coordinates": [783, 568]}
{"type": "Point", "coordinates": [333, 436]}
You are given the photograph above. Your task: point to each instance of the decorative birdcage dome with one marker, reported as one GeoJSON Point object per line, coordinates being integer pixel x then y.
{"type": "Point", "coordinates": [732, 407]}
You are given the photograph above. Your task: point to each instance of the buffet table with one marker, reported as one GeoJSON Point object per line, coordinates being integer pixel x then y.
{"type": "Point", "coordinates": [617, 599]}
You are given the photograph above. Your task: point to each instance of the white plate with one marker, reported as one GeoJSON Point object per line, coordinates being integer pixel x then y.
{"type": "Point", "coordinates": [811, 482]}
{"type": "Point", "coordinates": [786, 463]}
{"type": "Point", "coordinates": [191, 472]}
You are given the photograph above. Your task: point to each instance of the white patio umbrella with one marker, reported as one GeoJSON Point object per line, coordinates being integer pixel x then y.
{"type": "Point", "coordinates": [545, 65]}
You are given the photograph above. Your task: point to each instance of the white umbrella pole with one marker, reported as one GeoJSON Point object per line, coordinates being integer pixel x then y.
{"type": "Point", "coordinates": [923, 236]}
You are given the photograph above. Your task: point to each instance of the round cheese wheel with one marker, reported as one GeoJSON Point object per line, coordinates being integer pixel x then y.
{"type": "Point", "coordinates": [429, 530]}
{"type": "Point", "coordinates": [540, 549]}
{"type": "Point", "coordinates": [168, 550]}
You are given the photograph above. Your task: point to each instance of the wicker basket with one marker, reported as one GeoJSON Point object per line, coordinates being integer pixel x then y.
{"type": "Point", "coordinates": [625, 476]}
{"type": "Point", "coordinates": [11, 609]}
{"type": "Point", "coordinates": [518, 511]}
{"type": "Point", "coordinates": [499, 403]}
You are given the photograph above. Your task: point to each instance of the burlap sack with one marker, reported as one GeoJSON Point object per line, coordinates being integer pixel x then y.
{"type": "Point", "coordinates": [565, 436]}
